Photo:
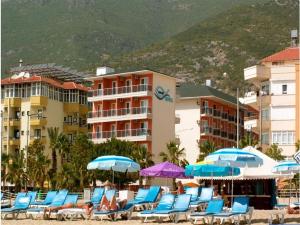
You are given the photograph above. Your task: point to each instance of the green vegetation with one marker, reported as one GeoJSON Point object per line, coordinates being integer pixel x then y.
{"type": "Point", "coordinates": [248, 140]}
{"type": "Point", "coordinates": [228, 42]}
{"type": "Point", "coordinates": [275, 152]}
{"type": "Point", "coordinates": [205, 149]}
{"type": "Point", "coordinates": [174, 154]}
{"type": "Point", "coordinates": [85, 33]}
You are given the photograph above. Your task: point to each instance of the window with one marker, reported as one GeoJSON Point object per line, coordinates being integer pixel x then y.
{"type": "Point", "coordinates": [265, 138]}
{"type": "Point", "coordinates": [265, 114]}
{"type": "Point", "coordinates": [283, 137]}
{"type": "Point", "coordinates": [284, 89]}
{"type": "Point", "coordinates": [37, 133]}
{"type": "Point", "coordinates": [265, 89]}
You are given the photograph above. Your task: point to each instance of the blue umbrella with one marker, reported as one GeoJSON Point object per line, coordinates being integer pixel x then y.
{"type": "Point", "coordinates": [287, 167]}
{"type": "Point", "coordinates": [234, 157]}
{"type": "Point", "coordinates": [114, 163]}
{"type": "Point", "coordinates": [207, 170]}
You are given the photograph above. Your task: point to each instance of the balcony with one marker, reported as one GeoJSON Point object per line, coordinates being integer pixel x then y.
{"type": "Point", "coordinates": [71, 107]}
{"type": "Point", "coordinates": [177, 119]}
{"type": "Point", "coordinates": [119, 114]}
{"type": "Point", "coordinates": [119, 92]}
{"type": "Point", "coordinates": [39, 101]}
{"type": "Point", "coordinates": [12, 102]}
{"type": "Point", "coordinates": [257, 73]}
{"type": "Point", "coordinates": [250, 98]}
{"type": "Point", "coordinates": [37, 121]}
{"type": "Point", "coordinates": [251, 122]}
{"type": "Point", "coordinates": [13, 141]}
{"type": "Point", "coordinates": [206, 131]}
{"type": "Point", "coordinates": [83, 109]}
{"type": "Point", "coordinates": [205, 111]}
{"type": "Point", "coordinates": [42, 139]}
{"type": "Point", "coordinates": [71, 127]}
{"type": "Point", "coordinates": [130, 135]}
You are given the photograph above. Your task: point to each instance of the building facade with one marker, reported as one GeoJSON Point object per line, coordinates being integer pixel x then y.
{"type": "Point", "coordinates": [275, 95]}
{"type": "Point", "coordinates": [135, 106]}
{"type": "Point", "coordinates": [32, 102]}
{"type": "Point", "coordinates": [205, 114]}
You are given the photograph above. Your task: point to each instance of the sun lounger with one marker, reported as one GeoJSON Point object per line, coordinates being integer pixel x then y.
{"type": "Point", "coordinates": [20, 206]}
{"type": "Point", "coordinates": [213, 207]}
{"type": "Point", "coordinates": [239, 209]}
{"type": "Point", "coordinates": [140, 196]}
{"type": "Point", "coordinates": [58, 200]}
{"type": "Point", "coordinates": [5, 203]}
{"type": "Point", "coordinates": [97, 196]}
{"type": "Point", "coordinates": [150, 198]}
{"type": "Point", "coordinates": [33, 195]}
{"type": "Point", "coordinates": [180, 207]}
{"type": "Point", "coordinates": [205, 196]}
{"type": "Point", "coordinates": [71, 198]}
{"type": "Point", "coordinates": [165, 203]}
{"type": "Point", "coordinates": [47, 201]}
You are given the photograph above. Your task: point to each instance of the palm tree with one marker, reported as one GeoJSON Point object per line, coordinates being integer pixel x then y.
{"type": "Point", "coordinates": [174, 154]}
{"type": "Point", "coordinates": [206, 148]}
{"type": "Point", "coordinates": [39, 163]}
{"type": "Point", "coordinates": [144, 158]}
{"type": "Point", "coordinates": [16, 173]}
{"type": "Point", "coordinates": [248, 140]}
{"type": "Point", "coordinates": [4, 167]}
{"type": "Point", "coordinates": [63, 146]}
{"type": "Point", "coordinates": [53, 133]}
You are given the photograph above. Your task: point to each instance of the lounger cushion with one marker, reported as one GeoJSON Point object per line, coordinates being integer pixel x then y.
{"type": "Point", "coordinates": [201, 214]}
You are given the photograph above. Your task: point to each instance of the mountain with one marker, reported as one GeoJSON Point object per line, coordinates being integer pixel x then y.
{"type": "Point", "coordinates": [81, 33]}
{"type": "Point", "coordinates": [227, 42]}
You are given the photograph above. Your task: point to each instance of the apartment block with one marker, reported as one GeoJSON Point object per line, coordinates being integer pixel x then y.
{"type": "Point", "coordinates": [206, 114]}
{"type": "Point", "coordinates": [136, 106]}
{"type": "Point", "coordinates": [275, 95]}
{"type": "Point", "coordinates": [35, 98]}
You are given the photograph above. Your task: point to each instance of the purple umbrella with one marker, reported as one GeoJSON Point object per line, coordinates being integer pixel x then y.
{"type": "Point", "coordinates": [165, 169]}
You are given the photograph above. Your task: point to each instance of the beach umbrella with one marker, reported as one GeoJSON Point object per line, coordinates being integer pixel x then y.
{"type": "Point", "coordinates": [165, 169]}
{"type": "Point", "coordinates": [234, 157]}
{"type": "Point", "coordinates": [114, 163]}
{"type": "Point", "coordinates": [288, 167]}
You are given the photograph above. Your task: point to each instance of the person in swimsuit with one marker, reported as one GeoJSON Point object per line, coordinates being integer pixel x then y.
{"type": "Point", "coordinates": [87, 206]}
{"type": "Point", "coordinates": [180, 188]}
{"type": "Point", "coordinates": [112, 205]}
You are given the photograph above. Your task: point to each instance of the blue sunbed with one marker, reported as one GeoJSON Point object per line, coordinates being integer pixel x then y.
{"type": "Point", "coordinates": [20, 206]}
{"type": "Point", "coordinates": [48, 199]}
{"type": "Point", "coordinates": [205, 196]}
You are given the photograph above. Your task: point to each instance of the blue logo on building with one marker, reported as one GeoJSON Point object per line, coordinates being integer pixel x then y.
{"type": "Point", "coordinates": [162, 94]}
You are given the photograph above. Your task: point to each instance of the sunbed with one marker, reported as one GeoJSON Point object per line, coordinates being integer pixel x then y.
{"type": "Point", "coordinates": [213, 207]}
{"type": "Point", "coordinates": [239, 209]}
{"type": "Point", "coordinates": [20, 206]}
{"type": "Point", "coordinates": [71, 198]}
{"type": "Point", "coordinates": [32, 194]}
{"type": "Point", "coordinates": [140, 196]}
{"type": "Point", "coordinates": [97, 196]}
{"type": "Point", "coordinates": [205, 196]}
{"type": "Point", "coordinates": [4, 202]}
{"type": "Point", "coordinates": [180, 207]}
{"type": "Point", "coordinates": [58, 200]}
{"type": "Point", "coordinates": [165, 203]}
{"type": "Point", "coordinates": [150, 198]}
{"type": "Point", "coordinates": [47, 201]}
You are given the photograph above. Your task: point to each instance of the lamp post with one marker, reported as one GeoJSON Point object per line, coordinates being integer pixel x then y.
{"type": "Point", "coordinates": [237, 114]}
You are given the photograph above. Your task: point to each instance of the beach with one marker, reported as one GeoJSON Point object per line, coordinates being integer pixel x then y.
{"type": "Point", "coordinates": [259, 217]}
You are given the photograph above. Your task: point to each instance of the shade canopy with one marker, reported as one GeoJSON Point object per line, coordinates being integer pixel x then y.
{"type": "Point", "coordinates": [234, 157]}
{"type": "Point", "coordinates": [165, 169]}
{"type": "Point", "coordinates": [287, 167]}
{"type": "Point", "coordinates": [208, 170]}
{"type": "Point", "coordinates": [114, 163]}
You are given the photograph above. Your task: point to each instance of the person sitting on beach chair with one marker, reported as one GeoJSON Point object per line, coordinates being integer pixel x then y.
{"type": "Point", "coordinates": [87, 206]}
{"type": "Point", "coordinates": [112, 205]}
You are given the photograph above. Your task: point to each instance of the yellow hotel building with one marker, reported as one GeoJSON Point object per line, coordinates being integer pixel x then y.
{"type": "Point", "coordinates": [36, 98]}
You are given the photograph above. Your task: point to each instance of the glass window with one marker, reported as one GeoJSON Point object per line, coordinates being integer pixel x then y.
{"type": "Point", "coordinates": [284, 89]}
{"type": "Point", "coordinates": [265, 138]}
{"type": "Point", "coordinates": [265, 114]}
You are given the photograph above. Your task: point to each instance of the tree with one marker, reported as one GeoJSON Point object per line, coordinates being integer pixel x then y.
{"type": "Point", "coordinates": [39, 163]}
{"type": "Point", "coordinates": [174, 154]}
{"type": "Point", "coordinates": [275, 152]}
{"type": "Point", "coordinates": [297, 144]}
{"type": "Point", "coordinates": [144, 158]}
{"type": "Point", "coordinates": [248, 140]}
{"type": "Point", "coordinates": [63, 147]}
{"type": "Point", "coordinates": [53, 133]}
{"type": "Point", "coordinates": [16, 173]}
{"type": "Point", "coordinates": [205, 148]}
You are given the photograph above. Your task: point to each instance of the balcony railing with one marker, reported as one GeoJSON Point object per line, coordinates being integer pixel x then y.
{"type": "Point", "coordinates": [119, 112]}
{"type": "Point", "coordinates": [119, 133]}
{"type": "Point", "coordinates": [120, 90]}
{"type": "Point", "coordinates": [206, 130]}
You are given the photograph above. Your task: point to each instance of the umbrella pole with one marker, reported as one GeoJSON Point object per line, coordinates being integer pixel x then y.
{"type": "Point", "coordinates": [113, 178]}
{"type": "Point", "coordinates": [232, 187]}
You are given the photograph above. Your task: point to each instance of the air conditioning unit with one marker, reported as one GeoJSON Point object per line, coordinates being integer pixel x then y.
{"type": "Point", "coordinates": [198, 102]}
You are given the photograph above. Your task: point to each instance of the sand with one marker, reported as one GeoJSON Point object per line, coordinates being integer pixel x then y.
{"type": "Point", "coordinates": [259, 217]}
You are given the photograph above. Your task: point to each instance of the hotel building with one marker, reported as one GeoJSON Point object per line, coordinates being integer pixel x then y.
{"type": "Point", "coordinates": [36, 98]}
{"type": "Point", "coordinates": [205, 114]}
{"type": "Point", "coordinates": [275, 94]}
{"type": "Point", "coordinates": [135, 106]}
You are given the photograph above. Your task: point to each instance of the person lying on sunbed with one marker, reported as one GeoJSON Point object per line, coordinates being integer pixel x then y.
{"type": "Point", "coordinates": [87, 206]}
{"type": "Point", "coordinates": [293, 210]}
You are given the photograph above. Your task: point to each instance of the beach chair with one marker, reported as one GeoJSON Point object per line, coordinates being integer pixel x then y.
{"type": "Point", "coordinates": [33, 195]}
{"type": "Point", "coordinates": [150, 198]}
{"type": "Point", "coordinates": [47, 201]}
{"type": "Point", "coordinates": [213, 207]}
{"type": "Point", "coordinates": [5, 203]}
{"type": "Point", "coordinates": [71, 198]}
{"type": "Point", "coordinates": [239, 209]}
{"type": "Point", "coordinates": [140, 196]}
{"type": "Point", "coordinates": [97, 196]}
{"type": "Point", "coordinates": [58, 200]}
{"type": "Point", "coordinates": [20, 206]}
{"type": "Point", "coordinates": [180, 207]}
{"type": "Point", "coordinates": [205, 196]}
{"type": "Point", "coordinates": [165, 203]}
{"type": "Point", "coordinates": [194, 192]}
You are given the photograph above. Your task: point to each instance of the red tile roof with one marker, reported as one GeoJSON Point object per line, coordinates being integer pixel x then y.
{"type": "Point", "coordinates": [35, 78]}
{"type": "Point", "coordinates": [288, 54]}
